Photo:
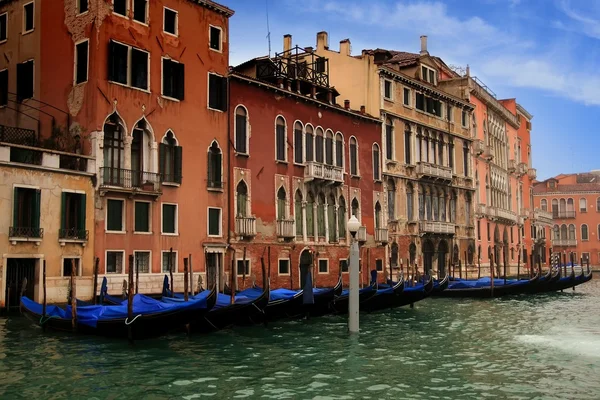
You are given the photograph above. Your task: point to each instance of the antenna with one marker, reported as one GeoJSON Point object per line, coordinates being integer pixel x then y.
{"type": "Point", "coordinates": [268, 28]}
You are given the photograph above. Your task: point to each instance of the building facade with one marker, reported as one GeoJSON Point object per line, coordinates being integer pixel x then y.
{"type": "Point", "coordinates": [574, 203]}
{"type": "Point", "coordinates": [301, 166]}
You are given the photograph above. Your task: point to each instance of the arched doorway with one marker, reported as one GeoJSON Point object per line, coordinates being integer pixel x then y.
{"type": "Point", "coordinates": [412, 254]}
{"type": "Point", "coordinates": [455, 255]}
{"type": "Point", "coordinates": [442, 251]}
{"type": "Point", "coordinates": [306, 261]}
{"type": "Point", "coordinates": [428, 252]}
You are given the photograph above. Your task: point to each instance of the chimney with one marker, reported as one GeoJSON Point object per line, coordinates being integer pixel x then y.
{"type": "Point", "coordinates": [424, 51]}
{"type": "Point", "coordinates": [468, 70]}
{"type": "Point", "coordinates": [287, 42]}
{"type": "Point", "coordinates": [345, 48]}
{"type": "Point", "coordinates": [347, 104]}
{"type": "Point", "coordinates": [322, 41]}
{"type": "Point", "coordinates": [308, 49]}
{"type": "Point", "coordinates": [330, 97]}
{"type": "Point", "coordinates": [362, 109]}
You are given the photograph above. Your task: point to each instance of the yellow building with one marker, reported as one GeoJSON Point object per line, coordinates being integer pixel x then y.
{"type": "Point", "coordinates": [48, 198]}
{"type": "Point", "coordinates": [425, 158]}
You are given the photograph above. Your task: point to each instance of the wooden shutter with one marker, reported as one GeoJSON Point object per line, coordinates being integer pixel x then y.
{"type": "Point", "coordinates": [179, 70]}
{"type": "Point", "coordinates": [63, 211]}
{"type": "Point", "coordinates": [82, 202]}
{"type": "Point", "coordinates": [15, 207]}
{"type": "Point", "coordinates": [298, 146]}
{"type": "Point", "coordinates": [240, 133]}
{"type": "Point", "coordinates": [82, 60]}
{"type": "Point", "coordinates": [139, 69]}
{"type": "Point", "coordinates": [299, 219]}
{"type": "Point", "coordinates": [222, 93]}
{"type": "Point", "coordinates": [162, 148]}
{"type": "Point", "coordinates": [25, 80]}
{"type": "Point", "coordinates": [212, 91]}
{"type": "Point", "coordinates": [4, 88]}
{"type": "Point", "coordinates": [111, 61]}
{"type": "Point", "coordinates": [210, 169]}
{"type": "Point", "coordinates": [310, 225]}
{"type": "Point", "coordinates": [36, 209]}
{"type": "Point", "coordinates": [217, 166]}
{"type": "Point", "coordinates": [178, 159]}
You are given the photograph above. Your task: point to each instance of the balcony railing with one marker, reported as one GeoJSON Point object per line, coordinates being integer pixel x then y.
{"type": "Point", "coordinates": [525, 213]}
{"type": "Point", "coordinates": [506, 215]}
{"type": "Point", "coordinates": [480, 209]}
{"type": "Point", "coordinates": [128, 179]}
{"type": "Point", "coordinates": [315, 170]}
{"type": "Point", "coordinates": [361, 235]}
{"type": "Point", "coordinates": [381, 235]}
{"type": "Point", "coordinates": [563, 214]}
{"type": "Point", "coordinates": [512, 165]}
{"type": "Point", "coordinates": [25, 232]}
{"type": "Point", "coordinates": [437, 227]}
{"type": "Point", "coordinates": [564, 242]}
{"type": "Point", "coordinates": [74, 163]}
{"type": "Point", "coordinates": [542, 216]}
{"type": "Point", "coordinates": [285, 228]}
{"type": "Point", "coordinates": [532, 172]}
{"type": "Point", "coordinates": [522, 168]}
{"type": "Point", "coordinates": [25, 137]}
{"type": "Point", "coordinates": [245, 226]}
{"type": "Point", "coordinates": [74, 234]}
{"type": "Point", "coordinates": [479, 147]}
{"type": "Point", "coordinates": [434, 171]}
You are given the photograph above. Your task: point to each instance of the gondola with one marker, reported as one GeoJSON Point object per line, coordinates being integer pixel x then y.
{"type": "Point", "coordinates": [545, 283]}
{"type": "Point", "coordinates": [151, 318]}
{"type": "Point", "coordinates": [440, 285]}
{"type": "Point", "coordinates": [106, 298]}
{"type": "Point", "coordinates": [482, 288]}
{"type": "Point", "coordinates": [572, 280]}
{"type": "Point", "coordinates": [339, 305]}
{"type": "Point", "coordinates": [418, 292]}
{"type": "Point", "coordinates": [384, 297]}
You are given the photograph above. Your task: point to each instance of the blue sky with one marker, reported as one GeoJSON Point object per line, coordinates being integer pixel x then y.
{"type": "Point", "coordinates": [545, 53]}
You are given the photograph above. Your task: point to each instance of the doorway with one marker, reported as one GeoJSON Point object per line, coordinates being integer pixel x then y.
{"type": "Point", "coordinates": [17, 270]}
{"type": "Point", "coordinates": [213, 271]}
{"type": "Point", "coordinates": [442, 251]}
{"type": "Point", "coordinates": [306, 261]}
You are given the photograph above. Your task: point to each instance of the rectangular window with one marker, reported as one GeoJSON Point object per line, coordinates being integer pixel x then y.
{"type": "Point", "coordinates": [3, 27]}
{"type": "Point", "coordinates": [280, 142]}
{"type": "Point", "coordinates": [451, 156]}
{"type": "Point", "coordinates": [25, 79]}
{"type": "Point", "coordinates": [141, 261]}
{"type": "Point", "coordinates": [407, 147]}
{"type": "Point", "coordinates": [28, 17]}
{"type": "Point", "coordinates": [68, 264]}
{"type": "Point", "coordinates": [169, 218]}
{"type": "Point", "coordinates": [114, 262]}
{"type": "Point", "coordinates": [140, 11]}
{"type": "Point", "coordinates": [82, 6]}
{"type": "Point", "coordinates": [323, 266]}
{"type": "Point", "coordinates": [465, 119]}
{"type": "Point", "coordinates": [215, 38]}
{"type": "Point", "coordinates": [585, 257]}
{"type": "Point", "coordinates": [128, 65]}
{"type": "Point", "coordinates": [298, 145]}
{"type": "Point", "coordinates": [478, 230]}
{"type": "Point", "coordinates": [488, 231]}
{"type": "Point", "coordinates": [118, 55]}
{"type": "Point", "coordinates": [241, 271]}
{"type": "Point", "coordinates": [387, 89]}
{"type": "Point", "coordinates": [450, 113]}
{"type": "Point", "coordinates": [214, 221]}
{"type": "Point", "coordinates": [466, 160]}
{"type": "Point", "coordinates": [171, 20]}
{"type": "Point", "coordinates": [389, 141]}
{"type": "Point", "coordinates": [114, 215]}
{"type": "Point", "coordinates": [284, 267]}
{"type": "Point", "coordinates": [81, 62]}
{"type": "Point", "coordinates": [120, 7]}
{"type": "Point", "coordinates": [217, 92]}
{"type": "Point", "coordinates": [353, 160]}
{"type": "Point", "coordinates": [4, 88]}
{"type": "Point", "coordinates": [420, 103]}
{"type": "Point", "coordinates": [406, 92]}
{"type": "Point", "coordinates": [173, 79]}
{"type": "Point", "coordinates": [142, 216]}
{"type": "Point", "coordinates": [379, 265]}
{"type": "Point", "coordinates": [73, 210]}
{"type": "Point", "coordinates": [344, 266]}
{"type": "Point", "coordinates": [139, 69]}
{"type": "Point", "coordinates": [26, 213]}
{"type": "Point", "coordinates": [428, 74]}
{"type": "Point", "coordinates": [169, 261]}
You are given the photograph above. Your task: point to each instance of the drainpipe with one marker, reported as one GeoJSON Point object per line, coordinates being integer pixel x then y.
{"type": "Point", "coordinates": [228, 186]}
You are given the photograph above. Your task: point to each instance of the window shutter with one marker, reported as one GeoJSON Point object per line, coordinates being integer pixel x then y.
{"type": "Point", "coordinates": [240, 133]}
{"type": "Point", "coordinates": [16, 207]}
{"type": "Point", "coordinates": [180, 79]}
{"type": "Point", "coordinates": [212, 91]}
{"type": "Point", "coordinates": [161, 155]}
{"type": "Point", "coordinates": [217, 166]}
{"type": "Point", "coordinates": [178, 163]}
{"type": "Point", "coordinates": [82, 201]}
{"type": "Point", "coordinates": [223, 94]}
{"type": "Point", "coordinates": [36, 209]}
{"type": "Point", "coordinates": [4, 88]}
{"type": "Point", "coordinates": [210, 169]}
{"type": "Point", "coordinates": [111, 61]}
{"type": "Point", "coordinates": [63, 211]}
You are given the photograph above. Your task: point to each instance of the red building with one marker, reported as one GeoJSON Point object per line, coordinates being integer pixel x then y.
{"type": "Point", "coordinates": [300, 166]}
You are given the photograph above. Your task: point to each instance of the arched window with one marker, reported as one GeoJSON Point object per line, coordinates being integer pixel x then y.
{"type": "Point", "coordinates": [582, 205]}
{"type": "Point", "coordinates": [556, 231]}
{"type": "Point", "coordinates": [442, 205]}
{"type": "Point", "coordinates": [242, 199]}
{"type": "Point", "coordinates": [281, 200]}
{"type": "Point", "coordinates": [570, 205]}
{"type": "Point", "coordinates": [471, 252]}
{"type": "Point", "coordinates": [468, 210]}
{"type": "Point", "coordinates": [310, 215]}
{"type": "Point", "coordinates": [544, 205]}
{"type": "Point", "coordinates": [564, 233]}
{"type": "Point", "coordinates": [572, 232]}
{"type": "Point", "coordinates": [114, 146]}
{"type": "Point", "coordinates": [584, 232]}
{"type": "Point", "coordinates": [563, 207]}
{"type": "Point", "coordinates": [331, 219]}
{"type": "Point", "coordinates": [310, 143]}
{"type": "Point", "coordinates": [170, 159]}
{"type": "Point", "coordinates": [555, 208]}
{"type": "Point", "coordinates": [391, 196]}
{"type": "Point", "coordinates": [453, 207]}
{"type": "Point", "coordinates": [298, 214]}
{"type": "Point", "coordinates": [319, 145]}
{"type": "Point", "coordinates": [378, 222]}
{"type": "Point", "coordinates": [429, 215]}
{"type": "Point", "coordinates": [435, 206]}
{"type": "Point", "coordinates": [342, 218]}
{"type": "Point", "coordinates": [215, 175]}
{"type": "Point", "coordinates": [598, 206]}
{"type": "Point", "coordinates": [389, 139]}
{"type": "Point", "coordinates": [421, 203]}
{"type": "Point", "coordinates": [298, 145]}
{"type": "Point", "coordinates": [241, 130]}
{"type": "Point", "coordinates": [353, 156]}
{"type": "Point", "coordinates": [339, 150]}
{"type": "Point", "coordinates": [412, 252]}
{"type": "Point", "coordinates": [394, 255]}
{"type": "Point", "coordinates": [141, 153]}
{"type": "Point", "coordinates": [409, 203]}
{"type": "Point", "coordinates": [376, 163]}
{"type": "Point", "coordinates": [355, 208]}
{"type": "Point", "coordinates": [329, 147]}
{"type": "Point", "coordinates": [280, 140]}
{"type": "Point", "coordinates": [321, 215]}
{"type": "Point", "coordinates": [407, 145]}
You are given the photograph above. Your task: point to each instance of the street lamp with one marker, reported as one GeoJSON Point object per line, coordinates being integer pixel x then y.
{"type": "Point", "coordinates": [353, 227]}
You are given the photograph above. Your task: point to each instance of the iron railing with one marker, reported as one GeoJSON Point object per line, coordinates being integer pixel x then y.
{"type": "Point", "coordinates": [74, 234]}
{"type": "Point", "coordinates": [128, 179]}
{"type": "Point", "coordinates": [25, 232]}
{"type": "Point", "coordinates": [25, 137]}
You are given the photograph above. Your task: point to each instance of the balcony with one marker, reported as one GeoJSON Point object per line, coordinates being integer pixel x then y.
{"type": "Point", "coordinates": [532, 172]}
{"type": "Point", "coordinates": [564, 242]}
{"type": "Point", "coordinates": [328, 173]}
{"type": "Point", "coordinates": [245, 226]}
{"type": "Point", "coordinates": [570, 214]}
{"type": "Point", "coordinates": [506, 215]}
{"type": "Point", "coordinates": [73, 235]}
{"type": "Point", "coordinates": [426, 170]}
{"type": "Point", "coordinates": [479, 147]}
{"type": "Point", "coordinates": [285, 229]}
{"type": "Point", "coordinates": [480, 209]}
{"type": "Point", "coordinates": [525, 213]}
{"type": "Point", "coordinates": [381, 235]}
{"type": "Point", "coordinates": [437, 227]}
{"type": "Point", "coordinates": [25, 234]}
{"type": "Point", "coordinates": [522, 168]}
{"type": "Point", "coordinates": [128, 180]}
{"type": "Point", "coordinates": [361, 235]}
{"type": "Point", "coordinates": [512, 166]}
{"type": "Point", "coordinates": [544, 217]}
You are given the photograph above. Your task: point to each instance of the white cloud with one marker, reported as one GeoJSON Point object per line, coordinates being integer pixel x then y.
{"type": "Point", "coordinates": [584, 19]}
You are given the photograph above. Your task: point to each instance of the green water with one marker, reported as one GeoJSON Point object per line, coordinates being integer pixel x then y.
{"type": "Point", "coordinates": [520, 348]}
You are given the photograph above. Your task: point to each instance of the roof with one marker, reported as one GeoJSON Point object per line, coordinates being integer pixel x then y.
{"type": "Point", "coordinates": [228, 12]}
{"type": "Point", "coordinates": [586, 182]}
{"type": "Point", "coordinates": [400, 58]}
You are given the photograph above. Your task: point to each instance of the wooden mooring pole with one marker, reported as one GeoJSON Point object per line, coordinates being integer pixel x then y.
{"type": "Point", "coordinates": [185, 279]}
{"type": "Point", "coordinates": [44, 301]}
{"type": "Point", "coordinates": [73, 295]}
{"type": "Point", "coordinates": [244, 269]}
{"type": "Point", "coordinates": [96, 263]}
{"type": "Point", "coordinates": [232, 279]}
{"type": "Point", "coordinates": [191, 282]}
{"type": "Point", "coordinates": [170, 266]}
{"type": "Point", "coordinates": [137, 275]}
{"type": "Point", "coordinates": [130, 300]}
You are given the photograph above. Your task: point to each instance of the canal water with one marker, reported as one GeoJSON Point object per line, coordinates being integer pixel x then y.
{"type": "Point", "coordinates": [543, 347]}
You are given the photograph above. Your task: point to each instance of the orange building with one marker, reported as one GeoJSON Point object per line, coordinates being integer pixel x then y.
{"type": "Point", "coordinates": [574, 201]}
{"type": "Point", "coordinates": [113, 75]}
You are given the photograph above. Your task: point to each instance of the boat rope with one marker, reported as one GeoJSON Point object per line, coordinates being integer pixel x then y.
{"type": "Point", "coordinates": [42, 321]}
{"type": "Point", "coordinates": [133, 320]}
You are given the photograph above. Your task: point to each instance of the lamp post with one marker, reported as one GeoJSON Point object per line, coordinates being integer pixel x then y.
{"type": "Point", "coordinates": [353, 227]}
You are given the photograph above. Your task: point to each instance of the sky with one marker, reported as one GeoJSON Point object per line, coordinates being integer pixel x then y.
{"type": "Point", "coordinates": [544, 53]}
